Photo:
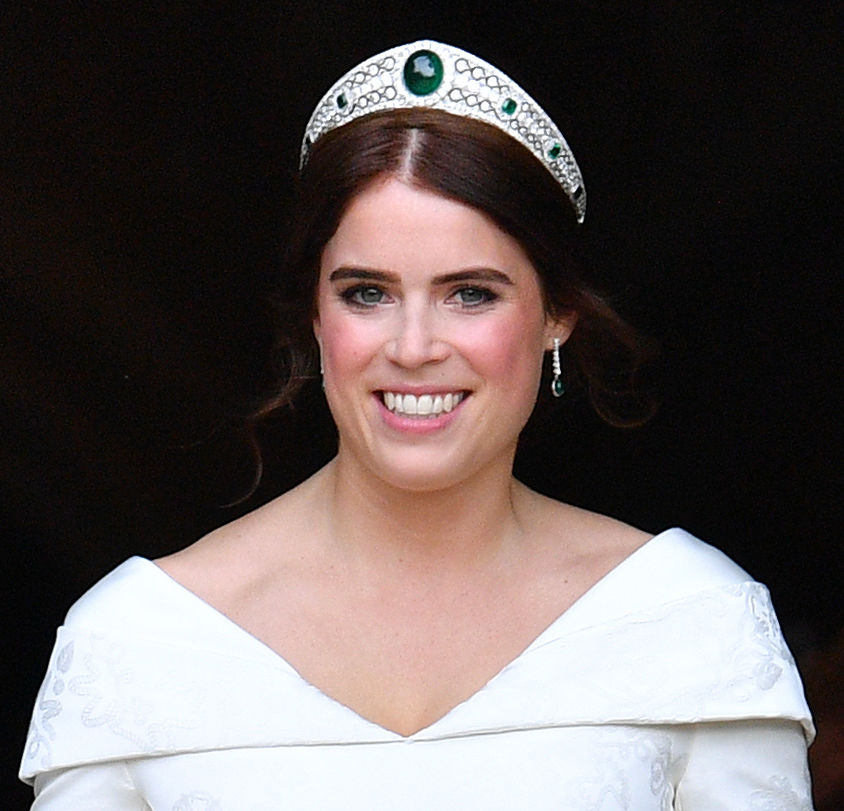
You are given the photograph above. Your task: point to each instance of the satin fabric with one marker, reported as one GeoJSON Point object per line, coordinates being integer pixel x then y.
{"type": "Point", "coordinates": [668, 685]}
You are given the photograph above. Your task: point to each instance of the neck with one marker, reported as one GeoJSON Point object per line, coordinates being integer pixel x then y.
{"type": "Point", "coordinates": [457, 527]}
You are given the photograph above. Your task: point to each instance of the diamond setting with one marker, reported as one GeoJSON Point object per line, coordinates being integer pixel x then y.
{"type": "Point", "coordinates": [431, 74]}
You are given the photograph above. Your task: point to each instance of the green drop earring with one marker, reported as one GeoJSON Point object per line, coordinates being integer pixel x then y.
{"type": "Point", "coordinates": [557, 387]}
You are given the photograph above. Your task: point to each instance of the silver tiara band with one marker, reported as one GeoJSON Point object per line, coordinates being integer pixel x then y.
{"type": "Point", "coordinates": [430, 74]}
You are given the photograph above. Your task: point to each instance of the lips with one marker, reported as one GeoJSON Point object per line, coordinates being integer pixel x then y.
{"type": "Point", "coordinates": [421, 405]}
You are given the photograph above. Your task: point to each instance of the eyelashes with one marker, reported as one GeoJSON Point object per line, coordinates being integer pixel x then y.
{"type": "Point", "coordinates": [474, 296]}
{"type": "Point", "coordinates": [368, 296]}
{"type": "Point", "coordinates": [363, 295]}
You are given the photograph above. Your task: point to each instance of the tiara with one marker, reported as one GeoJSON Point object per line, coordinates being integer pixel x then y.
{"type": "Point", "coordinates": [429, 74]}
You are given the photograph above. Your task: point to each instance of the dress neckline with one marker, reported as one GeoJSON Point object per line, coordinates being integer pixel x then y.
{"type": "Point", "coordinates": [564, 622]}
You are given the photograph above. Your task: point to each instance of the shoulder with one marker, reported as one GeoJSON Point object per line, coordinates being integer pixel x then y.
{"type": "Point", "coordinates": [116, 598]}
{"type": "Point", "coordinates": [699, 638]}
{"type": "Point", "coordinates": [582, 534]}
{"type": "Point", "coordinates": [601, 543]}
{"type": "Point", "coordinates": [680, 557]}
{"type": "Point", "coordinates": [673, 555]}
{"type": "Point", "coordinates": [630, 568]}
{"type": "Point", "coordinates": [673, 566]}
{"type": "Point", "coordinates": [233, 564]}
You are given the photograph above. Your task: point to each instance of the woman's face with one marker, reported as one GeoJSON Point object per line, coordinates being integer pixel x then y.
{"type": "Point", "coordinates": [432, 331]}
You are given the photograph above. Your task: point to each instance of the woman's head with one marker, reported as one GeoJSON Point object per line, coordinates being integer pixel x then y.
{"type": "Point", "coordinates": [444, 122]}
{"type": "Point", "coordinates": [480, 166]}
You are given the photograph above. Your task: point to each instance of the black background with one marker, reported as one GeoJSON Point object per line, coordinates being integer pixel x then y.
{"type": "Point", "coordinates": [147, 155]}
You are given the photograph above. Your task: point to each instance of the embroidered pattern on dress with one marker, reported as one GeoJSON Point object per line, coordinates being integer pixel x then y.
{"type": "Point", "coordinates": [621, 748]}
{"type": "Point", "coordinates": [655, 749]}
{"type": "Point", "coordinates": [129, 706]}
{"type": "Point", "coordinates": [778, 796]}
{"type": "Point", "coordinates": [197, 802]}
{"type": "Point", "coordinates": [41, 731]}
{"type": "Point", "coordinates": [764, 655]}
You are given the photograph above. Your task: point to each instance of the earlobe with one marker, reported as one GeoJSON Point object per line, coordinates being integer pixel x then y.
{"type": "Point", "coordinates": [559, 329]}
{"type": "Point", "coordinates": [319, 345]}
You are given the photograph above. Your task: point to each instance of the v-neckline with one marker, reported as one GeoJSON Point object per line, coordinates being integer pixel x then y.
{"type": "Point", "coordinates": [551, 631]}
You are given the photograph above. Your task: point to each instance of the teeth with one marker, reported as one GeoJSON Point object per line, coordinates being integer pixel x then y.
{"type": "Point", "coordinates": [425, 405]}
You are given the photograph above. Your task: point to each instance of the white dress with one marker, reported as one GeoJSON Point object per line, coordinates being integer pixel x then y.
{"type": "Point", "coordinates": [666, 686]}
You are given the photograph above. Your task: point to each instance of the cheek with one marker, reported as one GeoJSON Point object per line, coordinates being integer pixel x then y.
{"type": "Point", "coordinates": [344, 344]}
{"type": "Point", "coordinates": [510, 349]}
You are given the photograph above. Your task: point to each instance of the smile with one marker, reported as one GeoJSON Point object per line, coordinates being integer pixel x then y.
{"type": "Point", "coordinates": [424, 405]}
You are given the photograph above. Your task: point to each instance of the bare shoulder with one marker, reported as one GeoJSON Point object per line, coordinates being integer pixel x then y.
{"type": "Point", "coordinates": [603, 532]}
{"type": "Point", "coordinates": [595, 540]}
{"type": "Point", "coordinates": [239, 556]}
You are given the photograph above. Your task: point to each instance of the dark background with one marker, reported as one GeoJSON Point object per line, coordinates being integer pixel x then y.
{"type": "Point", "coordinates": [147, 155]}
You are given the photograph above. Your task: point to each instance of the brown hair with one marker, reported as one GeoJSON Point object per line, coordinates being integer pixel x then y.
{"type": "Point", "coordinates": [476, 164]}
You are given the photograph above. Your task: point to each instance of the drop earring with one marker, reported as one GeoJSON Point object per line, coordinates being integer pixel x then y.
{"type": "Point", "coordinates": [557, 387]}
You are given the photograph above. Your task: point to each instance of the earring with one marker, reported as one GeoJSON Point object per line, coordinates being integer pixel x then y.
{"type": "Point", "coordinates": [557, 387]}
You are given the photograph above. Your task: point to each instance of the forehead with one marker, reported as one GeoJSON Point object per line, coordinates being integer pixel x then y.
{"type": "Point", "coordinates": [393, 225]}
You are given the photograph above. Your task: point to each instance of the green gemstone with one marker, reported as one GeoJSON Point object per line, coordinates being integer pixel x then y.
{"type": "Point", "coordinates": [342, 101]}
{"type": "Point", "coordinates": [557, 387]}
{"type": "Point", "coordinates": [509, 107]}
{"type": "Point", "coordinates": [554, 152]}
{"type": "Point", "coordinates": [423, 73]}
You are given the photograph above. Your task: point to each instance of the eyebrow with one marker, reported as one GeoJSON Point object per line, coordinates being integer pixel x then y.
{"type": "Point", "coordinates": [481, 274]}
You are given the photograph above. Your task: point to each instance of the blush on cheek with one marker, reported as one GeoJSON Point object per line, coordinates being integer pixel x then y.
{"type": "Point", "coordinates": [509, 348]}
{"type": "Point", "coordinates": [345, 344]}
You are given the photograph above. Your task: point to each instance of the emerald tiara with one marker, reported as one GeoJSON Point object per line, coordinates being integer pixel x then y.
{"type": "Point", "coordinates": [429, 74]}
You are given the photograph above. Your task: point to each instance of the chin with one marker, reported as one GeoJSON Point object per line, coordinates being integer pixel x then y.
{"type": "Point", "coordinates": [419, 479]}
{"type": "Point", "coordinates": [427, 472]}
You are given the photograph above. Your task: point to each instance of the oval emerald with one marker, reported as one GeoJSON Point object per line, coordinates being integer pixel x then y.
{"type": "Point", "coordinates": [423, 73]}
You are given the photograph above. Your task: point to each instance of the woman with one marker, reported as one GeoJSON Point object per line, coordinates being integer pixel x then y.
{"type": "Point", "coordinates": [412, 627]}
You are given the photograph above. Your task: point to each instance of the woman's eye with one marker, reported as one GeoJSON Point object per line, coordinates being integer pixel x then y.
{"type": "Point", "coordinates": [473, 296]}
{"type": "Point", "coordinates": [364, 295]}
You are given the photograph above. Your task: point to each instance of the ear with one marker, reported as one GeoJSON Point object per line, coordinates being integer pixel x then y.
{"type": "Point", "coordinates": [560, 327]}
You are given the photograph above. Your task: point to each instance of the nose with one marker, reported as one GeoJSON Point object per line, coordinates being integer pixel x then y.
{"type": "Point", "coordinates": [417, 339]}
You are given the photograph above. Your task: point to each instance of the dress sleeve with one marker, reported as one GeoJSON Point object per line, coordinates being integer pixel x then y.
{"type": "Point", "coordinates": [88, 788]}
{"type": "Point", "coordinates": [746, 765]}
